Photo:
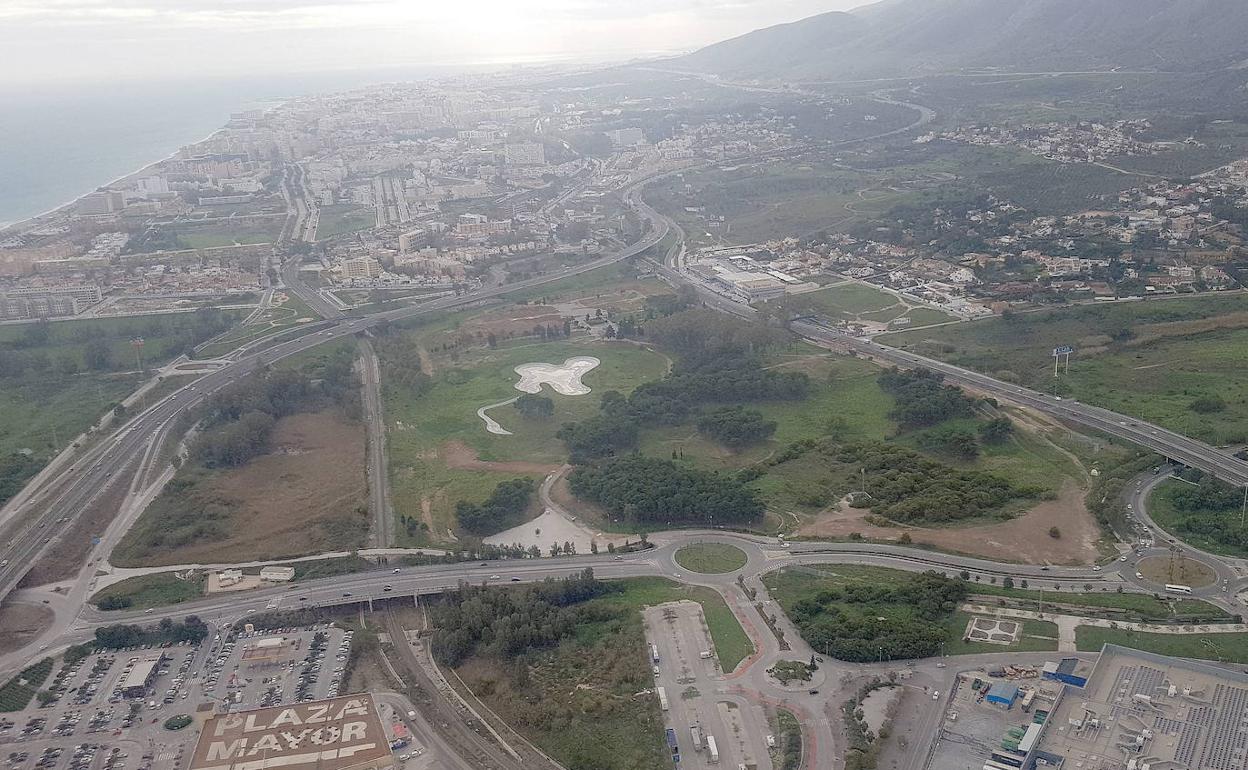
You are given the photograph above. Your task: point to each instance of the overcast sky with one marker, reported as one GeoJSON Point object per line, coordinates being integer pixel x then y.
{"type": "Point", "coordinates": [58, 40]}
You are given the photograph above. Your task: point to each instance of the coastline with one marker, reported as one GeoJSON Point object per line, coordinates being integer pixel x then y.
{"type": "Point", "coordinates": [37, 219]}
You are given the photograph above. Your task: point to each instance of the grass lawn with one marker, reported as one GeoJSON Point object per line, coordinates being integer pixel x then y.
{"type": "Point", "coordinates": [229, 233]}
{"type": "Point", "coordinates": [1228, 648]}
{"type": "Point", "coordinates": [854, 302]}
{"type": "Point", "coordinates": [344, 218]}
{"type": "Point", "coordinates": [1037, 636]}
{"type": "Point", "coordinates": [291, 312]}
{"type": "Point", "coordinates": [427, 484]}
{"type": "Point", "coordinates": [1149, 359]}
{"type": "Point", "coordinates": [16, 693]}
{"type": "Point", "coordinates": [711, 558]}
{"type": "Point", "coordinates": [1162, 510]}
{"type": "Point", "coordinates": [1146, 606]}
{"type": "Point", "coordinates": [160, 589]}
{"type": "Point", "coordinates": [845, 400]}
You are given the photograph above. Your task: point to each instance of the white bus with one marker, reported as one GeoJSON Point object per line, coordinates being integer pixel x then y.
{"type": "Point", "coordinates": [1178, 589]}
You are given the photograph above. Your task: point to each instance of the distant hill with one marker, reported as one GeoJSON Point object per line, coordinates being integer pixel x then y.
{"type": "Point", "coordinates": [906, 37]}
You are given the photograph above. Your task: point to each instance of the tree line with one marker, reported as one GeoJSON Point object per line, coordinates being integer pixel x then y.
{"type": "Point", "coordinates": [472, 620]}
{"type": "Point", "coordinates": [654, 491]}
{"type": "Point", "coordinates": [192, 630]}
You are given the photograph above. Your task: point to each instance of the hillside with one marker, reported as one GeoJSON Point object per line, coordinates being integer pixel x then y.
{"type": "Point", "coordinates": [908, 37]}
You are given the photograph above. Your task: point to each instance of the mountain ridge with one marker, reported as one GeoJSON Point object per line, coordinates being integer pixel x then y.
{"type": "Point", "coordinates": [897, 38]}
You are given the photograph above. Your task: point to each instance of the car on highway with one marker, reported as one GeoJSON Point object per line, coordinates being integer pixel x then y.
{"type": "Point", "coordinates": [1096, 568]}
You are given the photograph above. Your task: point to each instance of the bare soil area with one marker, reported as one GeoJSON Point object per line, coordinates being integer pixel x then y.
{"type": "Point", "coordinates": [69, 553]}
{"type": "Point", "coordinates": [460, 456]}
{"type": "Point", "coordinates": [519, 319]}
{"type": "Point", "coordinates": [1023, 539]}
{"type": "Point", "coordinates": [20, 623]}
{"type": "Point", "coordinates": [304, 497]}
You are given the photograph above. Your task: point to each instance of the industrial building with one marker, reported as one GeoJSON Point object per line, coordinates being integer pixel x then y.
{"type": "Point", "coordinates": [1003, 694]}
{"type": "Point", "coordinates": [277, 574]}
{"type": "Point", "coordinates": [1140, 710]}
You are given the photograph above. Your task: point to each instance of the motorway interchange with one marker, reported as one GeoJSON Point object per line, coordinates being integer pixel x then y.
{"type": "Point", "coordinates": [72, 485]}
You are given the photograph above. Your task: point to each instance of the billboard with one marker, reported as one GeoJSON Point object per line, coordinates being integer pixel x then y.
{"type": "Point", "coordinates": [333, 734]}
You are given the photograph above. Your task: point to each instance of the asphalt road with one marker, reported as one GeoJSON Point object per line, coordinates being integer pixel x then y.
{"type": "Point", "coordinates": [30, 532]}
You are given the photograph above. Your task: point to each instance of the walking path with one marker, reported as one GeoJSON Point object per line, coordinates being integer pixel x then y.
{"type": "Point", "coordinates": [1068, 625]}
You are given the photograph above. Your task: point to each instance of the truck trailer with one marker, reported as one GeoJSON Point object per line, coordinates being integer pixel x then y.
{"type": "Point", "coordinates": [712, 750]}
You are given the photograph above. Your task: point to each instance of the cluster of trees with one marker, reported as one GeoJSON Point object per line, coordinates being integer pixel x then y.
{"type": "Point", "coordinates": [859, 622]}
{"type": "Point", "coordinates": [922, 397]}
{"type": "Point", "coordinates": [1208, 494]}
{"type": "Point", "coordinates": [736, 427]}
{"type": "Point", "coordinates": [192, 630]}
{"type": "Point", "coordinates": [67, 348]}
{"type": "Point", "coordinates": [505, 624]}
{"type": "Point", "coordinates": [646, 490]}
{"type": "Point", "coordinates": [535, 407]}
{"type": "Point", "coordinates": [903, 485]}
{"type": "Point", "coordinates": [504, 508]}
{"type": "Point", "coordinates": [239, 420]}
{"type": "Point", "coordinates": [727, 376]}
{"type": "Point", "coordinates": [1207, 404]}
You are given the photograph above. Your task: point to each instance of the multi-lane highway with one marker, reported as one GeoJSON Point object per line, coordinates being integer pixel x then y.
{"type": "Point", "coordinates": [30, 529]}
{"type": "Point", "coordinates": [1167, 443]}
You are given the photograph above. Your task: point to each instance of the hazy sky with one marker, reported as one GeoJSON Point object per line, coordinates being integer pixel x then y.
{"type": "Point", "coordinates": [54, 40]}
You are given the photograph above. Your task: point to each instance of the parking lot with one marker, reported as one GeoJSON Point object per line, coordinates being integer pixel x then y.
{"type": "Point", "coordinates": [699, 712]}
{"type": "Point", "coordinates": [108, 710]}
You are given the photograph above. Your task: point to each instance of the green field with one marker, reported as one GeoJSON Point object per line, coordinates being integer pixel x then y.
{"type": "Point", "coordinates": [58, 379]}
{"type": "Point", "coordinates": [290, 313]}
{"type": "Point", "coordinates": [1227, 648]}
{"type": "Point", "coordinates": [422, 426]}
{"type": "Point", "coordinates": [17, 693]}
{"type": "Point", "coordinates": [344, 218]}
{"type": "Point", "coordinates": [1142, 606]}
{"type": "Point", "coordinates": [1149, 359]}
{"type": "Point", "coordinates": [159, 589]}
{"type": "Point", "coordinates": [229, 233]}
{"type": "Point", "coordinates": [1037, 636]}
{"type": "Point", "coordinates": [791, 588]}
{"type": "Point", "coordinates": [854, 302]}
{"type": "Point", "coordinates": [711, 558]}
{"type": "Point", "coordinates": [846, 401]}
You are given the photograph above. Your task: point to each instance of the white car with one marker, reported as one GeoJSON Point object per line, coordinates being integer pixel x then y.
{"type": "Point", "coordinates": [1096, 568]}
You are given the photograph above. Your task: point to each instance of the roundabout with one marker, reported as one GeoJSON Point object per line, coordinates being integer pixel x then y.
{"type": "Point", "coordinates": [1176, 570]}
{"type": "Point", "coordinates": [711, 558]}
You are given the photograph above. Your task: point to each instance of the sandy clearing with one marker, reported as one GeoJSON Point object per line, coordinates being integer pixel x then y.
{"type": "Point", "coordinates": [1024, 539]}
{"type": "Point", "coordinates": [20, 623]}
{"type": "Point", "coordinates": [552, 527]}
{"type": "Point", "coordinates": [564, 380]}
{"type": "Point", "coordinates": [460, 456]}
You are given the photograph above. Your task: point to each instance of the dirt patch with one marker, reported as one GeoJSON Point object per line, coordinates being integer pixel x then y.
{"type": "Point", "coordinates": [1023, 539]}
{"type": "Point", "coordinates": [1150, 333]}
{"type": "Point", "coordinates": [1176, 570]}
{"type": "Point", "coordinates": [511, 321]}
{"type": "Point", "coordinates": [306, 496]}
{"type": "Point", "coordinates": [69, 553]}
{"type": "Point", "coordinates": [460, 456]}
{"type": "Point", "coordinates": [22, 623]}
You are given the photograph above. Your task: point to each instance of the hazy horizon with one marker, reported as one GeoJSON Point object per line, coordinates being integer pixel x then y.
{"type": "Point", "coordinates": [84, 41]}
